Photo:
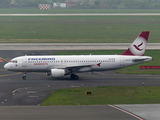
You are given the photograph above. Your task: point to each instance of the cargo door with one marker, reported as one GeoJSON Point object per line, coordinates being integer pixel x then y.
{"type": "Point", "coordinates": [122, 61]}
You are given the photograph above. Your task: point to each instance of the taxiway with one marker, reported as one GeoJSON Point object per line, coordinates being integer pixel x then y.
{"type": "Point", "coordinates": [16, 92]}
{"type": "Point", "coordinates": [70, 46]}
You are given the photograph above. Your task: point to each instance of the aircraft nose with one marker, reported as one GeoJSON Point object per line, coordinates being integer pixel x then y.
{"type": "Point", "coordinates": [6, 66]}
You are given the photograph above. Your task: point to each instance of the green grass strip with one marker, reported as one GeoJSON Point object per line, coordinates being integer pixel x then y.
{"type": "Point", "coordinates": [151, 72]}
{"type": "Point", "coordinates": [77, 29]}
{"type": "Point", "coordinates": [105, 95]}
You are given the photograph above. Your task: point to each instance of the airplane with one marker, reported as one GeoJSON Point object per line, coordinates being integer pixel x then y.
{"type": "Point", "coordinates": [61, 65]}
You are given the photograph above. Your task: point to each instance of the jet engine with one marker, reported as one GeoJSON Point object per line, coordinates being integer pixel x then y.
{"type": "Point", "coordinates": [55, 73]}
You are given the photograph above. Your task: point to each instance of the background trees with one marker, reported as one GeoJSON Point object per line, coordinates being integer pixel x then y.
{"type": "Point", "coordinates": [5, 3]}
{"type": "Point", "coordinates": [104, 4]}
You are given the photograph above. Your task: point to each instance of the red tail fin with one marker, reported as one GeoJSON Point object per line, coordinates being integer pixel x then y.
{"type": "Point", "coordinates": [139, 45]}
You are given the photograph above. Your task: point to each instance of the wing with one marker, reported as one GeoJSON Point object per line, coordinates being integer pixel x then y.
{"type": "Point", "coordinates": [76, 68]}
{"type": "Point", "coordinates": [72, 68]}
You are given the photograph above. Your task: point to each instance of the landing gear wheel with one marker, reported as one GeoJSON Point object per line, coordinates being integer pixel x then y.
{"type": "Point", "coordinates": [75, 77]}
{"type": "Point", "coordinates": [24, 77]}
{"type": "Point", "coordinates": [72, 76]}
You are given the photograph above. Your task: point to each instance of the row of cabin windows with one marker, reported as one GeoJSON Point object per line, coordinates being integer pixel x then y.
{"type": "Point", "coordinates": [71, 61]}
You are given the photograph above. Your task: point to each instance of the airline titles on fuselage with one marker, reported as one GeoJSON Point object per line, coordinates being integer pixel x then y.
{"type": "Point", "coordinates": [45, 61]}
{"type": "Point", "coordinates": [41, 59]}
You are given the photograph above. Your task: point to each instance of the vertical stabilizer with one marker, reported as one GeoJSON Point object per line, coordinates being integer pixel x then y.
{"type": "Point", "coordinates": [138, 47]}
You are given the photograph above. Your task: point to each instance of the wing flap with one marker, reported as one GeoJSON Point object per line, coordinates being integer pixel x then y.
{"type": "Point", "coordinates": [73, 66]}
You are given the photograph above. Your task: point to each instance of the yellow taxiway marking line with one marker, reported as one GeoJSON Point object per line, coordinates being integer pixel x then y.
{"type": "Point", "coordinates": [5, 59]}
{"type": "Point", "coordinates": [100, 73]}
{"type": "Point", "coordinates": [31, 92]}
{"type": "Point", "coordinates": [10, 74]}
{"type": "Point", "coordinates": [38, 73]}
{"type": "Point", "coordinates": [3, 70]}
{"type": "Point", "coordinates": [17, 90]}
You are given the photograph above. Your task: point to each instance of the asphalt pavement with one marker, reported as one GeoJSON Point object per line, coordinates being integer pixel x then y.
{"type": "Point", "coordinates": [70, 46]}
{"type": "Point", "coordinates": [20, 99]}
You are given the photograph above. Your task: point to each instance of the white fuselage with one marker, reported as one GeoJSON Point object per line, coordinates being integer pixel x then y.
{"type": "Point", "coordinates": [79, 63]}
{"type": "Point", "coordinates": [59, 66]}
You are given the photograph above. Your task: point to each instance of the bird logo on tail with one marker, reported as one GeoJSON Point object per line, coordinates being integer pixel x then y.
{"type": "Point", "coordinates": [139, 45]}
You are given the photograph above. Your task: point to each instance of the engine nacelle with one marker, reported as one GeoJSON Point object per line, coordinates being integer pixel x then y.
{"type": "Point", "coordinates": [55, 73]}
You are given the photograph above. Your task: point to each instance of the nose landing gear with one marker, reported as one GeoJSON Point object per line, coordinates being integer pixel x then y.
{"type": "Point", "coordinates": [24, 76]}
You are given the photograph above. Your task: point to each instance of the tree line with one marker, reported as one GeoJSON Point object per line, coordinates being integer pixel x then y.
{"type": "Point", "coordinates": [103, 4]}
{"type": "Point", "coordinates": [129, 4]}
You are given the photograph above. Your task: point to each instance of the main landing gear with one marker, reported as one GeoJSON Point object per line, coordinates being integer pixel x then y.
{"type": "Point", "coordinates": [24, 76]}
{"type": "Point", "coordinates": [75, 77]}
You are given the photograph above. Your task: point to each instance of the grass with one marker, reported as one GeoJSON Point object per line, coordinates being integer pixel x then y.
{"type": "Point", "coordinates": [55, 11]}
{"type": "Point", "coordinates": [105, 95]}
{"type": "Point", "coordinates": [151, 72]}
{"type": "Point", "coordinates": [129, 70]}
{"type": "Point", "coordinates": [77, 29]}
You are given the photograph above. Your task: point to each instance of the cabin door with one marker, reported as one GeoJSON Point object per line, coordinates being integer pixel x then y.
{"type": "Point", "coordinates": [24, 61]}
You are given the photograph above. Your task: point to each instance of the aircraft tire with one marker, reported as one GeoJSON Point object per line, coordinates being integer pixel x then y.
{"type": "Point", "coordinates": [72, 76]}
{"type": "Point", "coordinates": [24, 77]}
{"type": "Point", "coordinates": [75, 77]}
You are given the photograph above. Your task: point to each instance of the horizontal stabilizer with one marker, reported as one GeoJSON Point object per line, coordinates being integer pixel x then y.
{"type": "Point", "coordinates": [142, 59]}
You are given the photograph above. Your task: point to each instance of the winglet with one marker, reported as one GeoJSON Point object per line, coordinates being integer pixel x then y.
{"type": "Point", "coordinates": [139, 45]}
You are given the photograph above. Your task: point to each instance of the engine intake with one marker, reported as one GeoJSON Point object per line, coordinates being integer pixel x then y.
{"type": "Point", "coordinates": [55, 73]}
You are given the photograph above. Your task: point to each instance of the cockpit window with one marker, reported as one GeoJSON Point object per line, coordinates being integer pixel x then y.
{"type": "Point", "coordinates": [13, 61]}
